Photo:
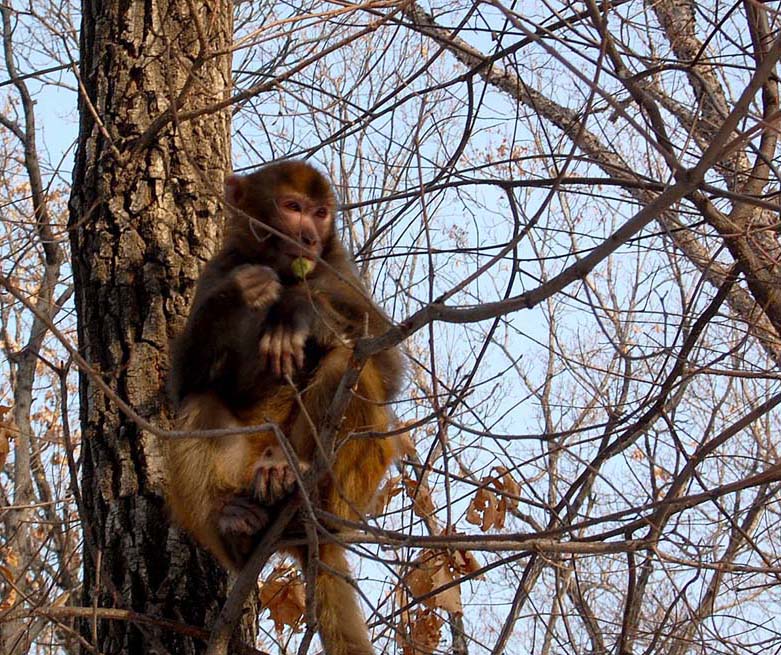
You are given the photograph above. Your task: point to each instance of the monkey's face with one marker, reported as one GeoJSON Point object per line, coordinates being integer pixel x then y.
{"type": "Point", "coordinates": [307, 222]}
{"type": "Point", "coordinates": [293, 199]}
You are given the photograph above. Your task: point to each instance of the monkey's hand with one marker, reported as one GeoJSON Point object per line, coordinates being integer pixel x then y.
{"type": "Point", "coordinates": [287, 329]}
{"type": "Point", "coordinates": [282, 349]}
{"type": "Point", "coordinates": [274, 478]}
{"type": "Point", "coordinates": [259, 285]}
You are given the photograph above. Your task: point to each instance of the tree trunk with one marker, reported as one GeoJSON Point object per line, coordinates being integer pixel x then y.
{"type": "Point", "coordinates": [144, 216]}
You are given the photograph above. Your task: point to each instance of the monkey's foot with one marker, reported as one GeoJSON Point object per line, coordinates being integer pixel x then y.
{"type": "Point", "coordinates": [241, 516]}
{"type": "Point", "coordinates": [274, 478]}
{"type": "Point", "coordinates": [259, 285]}
{"type": "Point", "coordinates": [240, 522]}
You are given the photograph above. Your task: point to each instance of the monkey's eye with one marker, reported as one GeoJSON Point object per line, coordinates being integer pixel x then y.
{"type": "Point", "coordinates": [322, 212]}
{"type": "Point", "coordinates": [293, 206]}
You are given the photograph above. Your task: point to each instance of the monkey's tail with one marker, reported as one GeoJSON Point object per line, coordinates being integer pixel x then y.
{"type": "Point", "coordinates": [341, 622]}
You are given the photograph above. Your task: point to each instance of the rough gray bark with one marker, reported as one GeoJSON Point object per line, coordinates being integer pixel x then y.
{"type": "Point", "coordinates": [144, 217]}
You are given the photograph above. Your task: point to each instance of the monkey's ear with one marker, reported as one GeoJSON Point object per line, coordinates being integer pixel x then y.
{"type": "Point", "coordinates": [234, 191]}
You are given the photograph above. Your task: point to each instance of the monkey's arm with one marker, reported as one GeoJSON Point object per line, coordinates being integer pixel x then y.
{"type": "Point", "coordinates": [345, 313]}
{"type": "Point", "coordinates": [218, 349]}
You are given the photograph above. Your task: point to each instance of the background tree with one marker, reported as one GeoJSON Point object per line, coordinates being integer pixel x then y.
{"type": "Point", "coordinates": [569, 209]}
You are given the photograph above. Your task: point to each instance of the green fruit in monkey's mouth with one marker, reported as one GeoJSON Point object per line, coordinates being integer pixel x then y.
{"type": "Point", "coordinates": [301, 267]}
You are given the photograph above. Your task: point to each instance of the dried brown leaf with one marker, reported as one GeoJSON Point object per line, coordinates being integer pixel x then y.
{"type": "Point", "coordinates": [422, 504]}
{"type": "Point", "coordinates": [660, 474]}
{"type": "Point", "coordinates": [501, 513]}
{"type": "Point", "coordinates": [5, 448]}
{"type": "Point", "coordinates": [448, 599]}
{"type": "Point", "coordinates": [505, 483]}
{"type": "Point", "coordinates": [465, 563]}
{"type": "Point", "coordinates": [403, 624]}
{"type": "Point", "coordinates": [8, 556]}
{"type": "Point", "coordinates": [8, 430]}
{"type": "Point", "coordinates": [489, 513]}
{"type": "Point", "coordinates": [473, 513]}
{"type": "Point", "coordinates": [390, 490]}
{"type": "Point", "coordinates": [484, 503]}
{"type": "Point", "coordinates": [285, 600]}
{"type": "Point", "coordinates": [426, 631]}
{"type": "Point", "coordinates": [7, 602]}
{"type": "Point", "coordinates": [429, 572]}
{"type": "Point", "coordinates": [482, 499]}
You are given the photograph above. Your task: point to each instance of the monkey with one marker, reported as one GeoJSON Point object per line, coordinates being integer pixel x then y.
{"type": "Point", "coordinates": [279, 303]}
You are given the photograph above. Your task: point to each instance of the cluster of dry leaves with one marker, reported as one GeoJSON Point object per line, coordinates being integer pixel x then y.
{"type": "Point", "coordinates": [283, 595]}
{"type": "Point", "coordinates": [488, 511]}
{"type": "Point", "coordinates": [432, 583]}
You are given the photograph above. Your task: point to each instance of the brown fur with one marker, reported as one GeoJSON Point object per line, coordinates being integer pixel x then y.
{"type": "Point", "coordinates": [218, 382]}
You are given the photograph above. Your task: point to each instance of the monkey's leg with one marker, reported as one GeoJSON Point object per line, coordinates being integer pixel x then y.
{"type": "Point", "coordinates": [270, 476]}
{"type": "Point", "coordinates": [207, 477]}
{"type": "Point", "coordinates": [341, 624]}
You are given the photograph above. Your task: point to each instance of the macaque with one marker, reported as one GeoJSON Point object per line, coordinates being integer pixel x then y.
{"type": "Point", "coordinates": [269, 335]}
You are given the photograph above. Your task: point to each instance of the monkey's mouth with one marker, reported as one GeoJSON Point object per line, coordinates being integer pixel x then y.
{"type": "Point", "coordinates": [301, 253]}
